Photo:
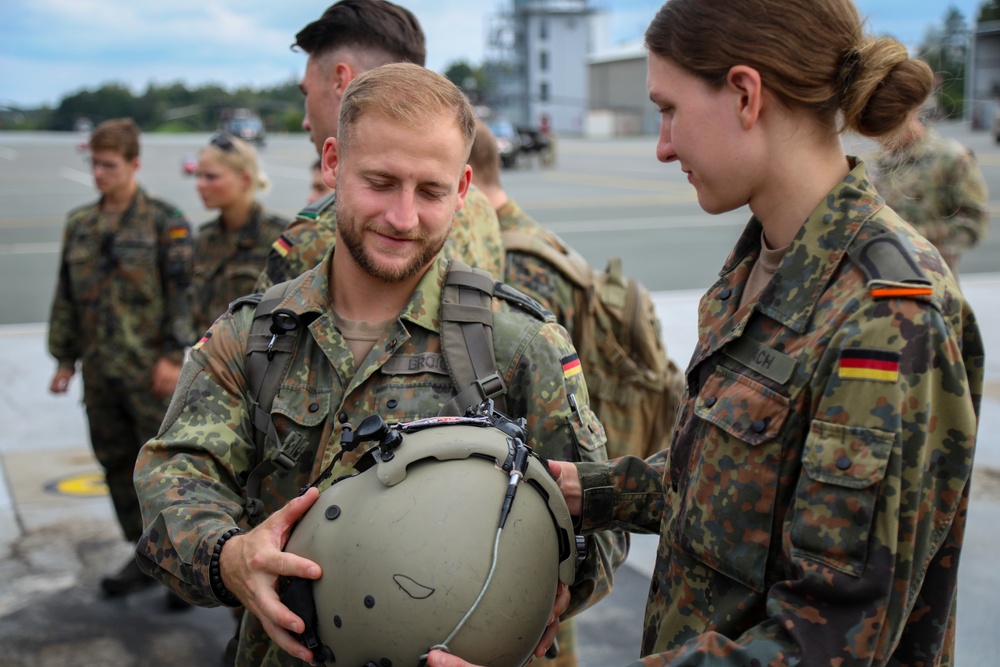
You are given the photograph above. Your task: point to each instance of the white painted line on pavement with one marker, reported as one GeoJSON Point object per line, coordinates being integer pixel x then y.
{"type": "Point", "coordinates": [643, 224]}
{"type": "Point", "coordinates": [29, 248]}
{"type": "Point", "coordinates": [77, 176]}
{"type": "Point", "coordinates": [8, 153]}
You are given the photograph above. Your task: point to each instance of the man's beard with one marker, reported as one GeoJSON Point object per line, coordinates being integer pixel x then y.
{"type": "Point", "coordinates": [352, 233]}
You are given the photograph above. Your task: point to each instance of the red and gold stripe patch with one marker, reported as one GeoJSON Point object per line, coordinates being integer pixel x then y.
{"type": "Point", "coordinates": [204, 339]}
{"type": "Point", "coordinates": [178, 233]}
{"type": "Point", "coordinates": [876, 365]}
{"type": "Point", "coordinates": [571, 365]}
{"type": "Point", "coordinates": [282, 245]}
{"type": "Point", "coordinates": [887, 292]}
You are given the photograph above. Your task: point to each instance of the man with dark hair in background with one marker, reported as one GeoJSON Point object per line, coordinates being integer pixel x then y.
{"type": "Point", "coordinates": [350, 38]}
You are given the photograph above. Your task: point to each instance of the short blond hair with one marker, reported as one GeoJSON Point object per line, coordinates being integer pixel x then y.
{"type": "Point", "coordinates": [407, 94]}
{"type": "Point", "coordinates": [241, 158]}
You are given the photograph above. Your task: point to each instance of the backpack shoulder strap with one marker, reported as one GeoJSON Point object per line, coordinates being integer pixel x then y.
{"type": "Point", "coordinates": [569, 262]}
{"type": "Point", "coordinates": [467, 339]}
{"type": "Point", "coordinates": [269, 356]}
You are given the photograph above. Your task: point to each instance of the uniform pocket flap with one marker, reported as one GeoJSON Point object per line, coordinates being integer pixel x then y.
{"type": "Point", "coordinates": [848, 456]}
{"type": "Point", "coordinates": [742, 407]}
{"type": "Point", "coordinates": [302, 407]}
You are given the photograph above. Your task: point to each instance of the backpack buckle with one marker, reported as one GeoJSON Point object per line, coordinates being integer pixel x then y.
{"type": "Point", "coordinates": [491, 386]}
{"type": "Point", "coordinates": [289, 451]}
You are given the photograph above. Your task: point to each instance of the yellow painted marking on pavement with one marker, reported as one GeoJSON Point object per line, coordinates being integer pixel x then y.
{"type": "Point", "coordinates": [81, 485]}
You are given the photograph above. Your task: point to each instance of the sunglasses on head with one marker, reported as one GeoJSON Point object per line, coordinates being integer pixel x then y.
{"type": "Point", "coordinates": [220, 140]}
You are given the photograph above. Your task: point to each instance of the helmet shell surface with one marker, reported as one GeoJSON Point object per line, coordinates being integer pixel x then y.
{"type": "Point", "coordinates": [407, 546]}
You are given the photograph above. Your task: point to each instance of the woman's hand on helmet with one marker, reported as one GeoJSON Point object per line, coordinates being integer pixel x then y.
{"type": "Point", "coordinates": [568, 478]}
{"type": "Point", "coordinates": [438, 658]}
{"type": "Point", "coordinates": [251, 565]}
{"type": "Point", "coordinates": [560, 606]}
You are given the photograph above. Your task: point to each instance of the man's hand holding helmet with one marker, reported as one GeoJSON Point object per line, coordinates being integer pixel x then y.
{"type": "Point", "coordinates": [251, 564]}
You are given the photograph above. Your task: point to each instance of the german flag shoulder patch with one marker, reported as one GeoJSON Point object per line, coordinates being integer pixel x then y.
{"type": "Point", "coordinates": [571, 365]}
{"type": "Point", "coordinates": [204, 339]}
{"type": "Point", "coordinates": [861, 364]}
{"type": "Point", "coordinates": [282, 245]}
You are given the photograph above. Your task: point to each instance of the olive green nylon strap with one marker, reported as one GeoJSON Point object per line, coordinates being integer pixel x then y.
{"type": "Point", "coordinates": [268, 360]}
{"type": "Point", "coordinates": [467, 339]}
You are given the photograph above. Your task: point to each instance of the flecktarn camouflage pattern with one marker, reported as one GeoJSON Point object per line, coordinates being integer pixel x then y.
{"type": "Point", "coordinates": [188, 477]}
{"type": "Point", "coordinates": [813, 500]}
{"type": "Point", "coordinates": [227, 265]}
{"type": "Point", "coordinates": [122, 303]}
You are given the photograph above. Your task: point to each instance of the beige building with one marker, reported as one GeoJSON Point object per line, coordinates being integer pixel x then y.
{"type": "Point", "coordinates": [619, 103]}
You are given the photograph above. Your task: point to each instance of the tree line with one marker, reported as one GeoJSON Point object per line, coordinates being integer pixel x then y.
{"type": "Point", "coordinates": [169, 108]}
{"type": "Point", "coordinates": [176, 108]}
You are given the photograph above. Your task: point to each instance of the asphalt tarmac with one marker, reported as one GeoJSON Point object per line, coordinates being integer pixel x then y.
{"type": "Point", "coordinates": [58, 536]}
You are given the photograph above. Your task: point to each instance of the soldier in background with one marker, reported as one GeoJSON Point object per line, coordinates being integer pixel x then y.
{"type": "Point", "coordinates": [935, 184]}
{"type": "Point", "coordinates": [352, 37]}
{"type": "Point", "coordinates": [525, 271]}
{"type": "Point", "coordinates": [374, 301]}
{"type": "Point", "coordinates": [812, 504]}
{"type": "Point", "coordinates": [536, 278]}
{"type": "Point", "coordinates": [623, 357]}
{"type": "Point", "coordinates": [122, 312]}
{"type": "Point", "coordinates": [230, 251]}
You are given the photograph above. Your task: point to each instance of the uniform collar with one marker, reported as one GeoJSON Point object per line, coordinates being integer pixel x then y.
{"type": "Point", "coordinates": [313, 294]}
{"type": "Point", "coordinates": [248, 234]}
{"type": "Point", "coordinates": [138, 203]}
{"type": "Point", "coordinates": [817, 251]}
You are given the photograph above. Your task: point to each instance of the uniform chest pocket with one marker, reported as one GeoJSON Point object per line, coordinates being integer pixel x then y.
{"type": "Point", "coordinates": [732, 476]}
{"type": "Point", "coordinates": [299, 416]}
{"type": "Point", "coordinates": [82, 263]}
{"type": "Point", "coordinates": [135, 254]}
{"type": "Point", "coordinates": [836, 496]}
{"type": "Point", "coordinates": [409, 397]}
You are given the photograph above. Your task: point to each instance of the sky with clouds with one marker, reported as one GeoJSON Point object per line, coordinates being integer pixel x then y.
{"type": "Point", "coordinates": [49, 48]}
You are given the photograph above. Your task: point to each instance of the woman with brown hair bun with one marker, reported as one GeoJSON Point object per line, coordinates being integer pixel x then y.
{"type": "Point", "coordinates": [812, 503]}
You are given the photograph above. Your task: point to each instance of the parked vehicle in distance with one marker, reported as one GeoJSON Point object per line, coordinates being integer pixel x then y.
{"type": "Point", "coordinates": [189, 165]}
{"type": "Point", "coordinates": [245, 124]}
{"type": "Point", "coordinates": [508, 141]}
{"type": "Point", "coordinates": [536, 142]}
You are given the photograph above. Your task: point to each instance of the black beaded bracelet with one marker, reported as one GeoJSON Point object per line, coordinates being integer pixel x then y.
{"type": "Point", "coordinates": [222, 594]}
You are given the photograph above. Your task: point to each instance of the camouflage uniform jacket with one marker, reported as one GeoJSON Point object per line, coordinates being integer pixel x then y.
{"type": "Point", "coordinates": [474, 239]}
{"type": "Point", "coordinates": [190, 477]}
{"type": "Point", "coordinates": [937, 186]}
{"type": "Point", "coordinates": [226, 265]}
{"type": "Point", "coordinates": [532, 274]}
{"type": "Point", "coordinates": [812, 503]}
{"type": "Point", "coordinates": [122, 296]}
